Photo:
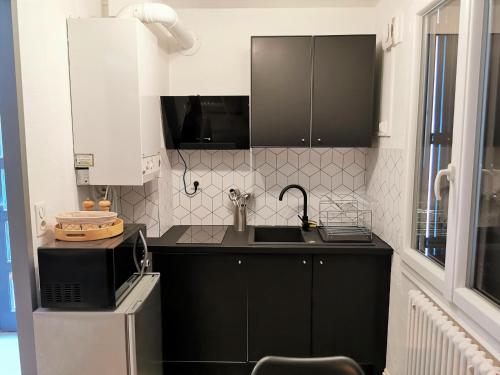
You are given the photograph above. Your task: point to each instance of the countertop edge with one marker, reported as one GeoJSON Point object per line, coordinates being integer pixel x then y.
{"type": "Point", "coordinates": [237, 243]}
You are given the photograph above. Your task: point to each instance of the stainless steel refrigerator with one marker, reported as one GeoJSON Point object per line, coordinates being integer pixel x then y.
{"type": "Point", "coordinates": [125, 341]}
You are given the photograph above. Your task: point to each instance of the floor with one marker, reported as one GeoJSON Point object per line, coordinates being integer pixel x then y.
{"type": "Point", "coordinates": [9, 354]}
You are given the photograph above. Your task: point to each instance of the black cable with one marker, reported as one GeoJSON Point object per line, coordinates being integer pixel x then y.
{"type": "Point", "coordinates": [196, 183]}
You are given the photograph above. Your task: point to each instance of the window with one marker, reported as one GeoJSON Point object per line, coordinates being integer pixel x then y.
{"type": "Point", "coordinates": [456, 111]}
{"type": "Point", "coordinates": [485, 239]}
{"type": "Point", "coordinates": [436, 107]}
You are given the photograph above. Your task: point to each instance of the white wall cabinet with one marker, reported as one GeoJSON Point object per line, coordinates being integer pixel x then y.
{"type": "Point", "coordinates": [115, 101]}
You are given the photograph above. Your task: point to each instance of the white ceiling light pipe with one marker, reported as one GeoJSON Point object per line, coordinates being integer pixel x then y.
{"type": "Point", "coordinates": [166, 16]}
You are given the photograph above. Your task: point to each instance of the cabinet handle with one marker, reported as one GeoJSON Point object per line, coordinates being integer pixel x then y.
{"type": "Point", "coordinates": [319, 140]}
{"type": "Point", "coordinates": [304, 261]}
{"type": "Point", "coordinates": [239, 261]}
{"type": "Point", "coordinates": [303, 140]}
{"type": "Point", "coordinates": [321, 262]}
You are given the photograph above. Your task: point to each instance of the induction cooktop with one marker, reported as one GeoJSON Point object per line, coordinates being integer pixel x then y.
{"type": "Point", "coordinates": [197, 234]}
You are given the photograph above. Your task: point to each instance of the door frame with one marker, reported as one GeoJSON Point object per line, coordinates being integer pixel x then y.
{"type": "Point", "coordinates": [23, 269]}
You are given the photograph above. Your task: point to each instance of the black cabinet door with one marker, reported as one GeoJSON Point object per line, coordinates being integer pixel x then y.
{"type": "Point", "coordinates": [343, 91]}
{"type": "Point", "coordinates": [281, 91]}
{"type": "Point", "coordinates": [350, 307]}
{"type": "Point", "coordinates": [279, 305]}
{"type": "Point", "coordinates": [204, 307]}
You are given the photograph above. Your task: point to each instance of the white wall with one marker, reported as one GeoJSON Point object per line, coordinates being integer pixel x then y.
{"type": "Point", "coordinates": [395, 74]}
{"type": "Point", "coordinates": [46, 101]}
{"type": "Point", "coordinates": [222, 65]}
{"type": "Point", "coordinates": [394, 108]}
{"type": "Point", "coordinates": [269, 3]}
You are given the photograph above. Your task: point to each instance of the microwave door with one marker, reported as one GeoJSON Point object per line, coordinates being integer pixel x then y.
{"type": "Point", "coordinates": [144, 332]}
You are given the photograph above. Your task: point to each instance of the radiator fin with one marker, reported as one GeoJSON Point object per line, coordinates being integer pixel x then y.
{"type": "Point", "coordinates": [438, 346]}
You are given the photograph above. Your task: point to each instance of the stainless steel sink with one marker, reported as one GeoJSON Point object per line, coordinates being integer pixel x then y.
{"type": "Point", "coordinates": [276, 235]}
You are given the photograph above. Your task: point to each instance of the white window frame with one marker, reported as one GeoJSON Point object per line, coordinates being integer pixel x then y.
{"type": "Point", "coordinates": [482, 310]}
{"type": "Point", "coordinates": [451, 283]}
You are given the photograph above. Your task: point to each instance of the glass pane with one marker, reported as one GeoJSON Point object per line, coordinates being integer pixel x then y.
{"type": "Point", "coordinates": [8, 253]}
{"type": "Point", "coordinates": [434, 147]}
{"type": "Point", "coordinates": [486, 238]}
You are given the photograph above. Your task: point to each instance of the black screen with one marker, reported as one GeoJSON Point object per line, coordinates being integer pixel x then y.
{"type": "Point", "coordinates": [206, 122]}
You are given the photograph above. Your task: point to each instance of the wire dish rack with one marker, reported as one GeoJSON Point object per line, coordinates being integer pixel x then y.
{"type": "Point", "coordinates": [431, 223]}
{"type": "Point", "coordinates": [432, 227]}
{"type": "Point", "coordinates": [345, 220]}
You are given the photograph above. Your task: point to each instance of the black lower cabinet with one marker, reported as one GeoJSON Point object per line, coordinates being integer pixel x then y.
{"type": "Point", "coordinates": [350, 302]}
{"type": "Point", "coordinates": [279, 305]}
{"type": "Point", "coordinates": [207, 368]}
{"type": "Point", "coordinates": [204, 307]}
{"type": "Point", "coordinates": [224, 312]}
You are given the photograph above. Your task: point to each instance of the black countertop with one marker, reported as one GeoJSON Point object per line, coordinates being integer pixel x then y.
{"type": "Point", "coordinates": [239, 243]}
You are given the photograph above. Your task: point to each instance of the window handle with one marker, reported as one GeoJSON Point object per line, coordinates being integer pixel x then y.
{"type": "Point", "coordinates": [450, 176]}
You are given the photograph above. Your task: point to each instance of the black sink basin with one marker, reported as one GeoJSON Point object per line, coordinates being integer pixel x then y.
{"type": "Point", "coordinates": [277, 234]}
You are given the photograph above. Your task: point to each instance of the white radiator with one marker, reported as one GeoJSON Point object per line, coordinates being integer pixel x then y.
{"type": "Point", "coordinates": [438, 346]}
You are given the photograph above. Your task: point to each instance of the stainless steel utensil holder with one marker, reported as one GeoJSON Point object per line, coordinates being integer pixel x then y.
{"type": "Point", "coordinates": [240, 218]}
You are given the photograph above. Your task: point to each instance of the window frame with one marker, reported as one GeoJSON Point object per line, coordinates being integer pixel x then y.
{"type": "Point", "coordinates": [452, 283]}
{"type": "Point", "coordinates": [421, 98]}
{"type": "Point", "coordinates": [482, 310]}
{"type": "Point", "coordinates": [23, 271]}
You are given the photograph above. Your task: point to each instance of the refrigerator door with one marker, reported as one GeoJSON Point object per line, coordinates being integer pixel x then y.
{"type": "Point", "coordinates": [144, 329]}
{"type": "Point", "coordinates": [80, 343]}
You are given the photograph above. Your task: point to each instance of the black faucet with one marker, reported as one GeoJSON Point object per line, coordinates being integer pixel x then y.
{"type": "Point", "coordinates": [304, 218]}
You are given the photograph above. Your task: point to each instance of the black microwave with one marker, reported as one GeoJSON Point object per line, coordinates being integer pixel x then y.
{"type": "Point", "coordinates": [91, 275]}
{"type": "Point", "coordinates": [206, 122]}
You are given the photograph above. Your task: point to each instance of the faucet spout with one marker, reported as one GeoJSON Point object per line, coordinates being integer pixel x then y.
{"type": "Point", "coordinates": [304, 218]}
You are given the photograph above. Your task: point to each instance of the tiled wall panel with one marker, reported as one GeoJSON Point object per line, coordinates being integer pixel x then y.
{"type": "Point", "coordinates": [150, 204]}
{"type": "Point", "coordinates": [384, 183]}
{"type": "Point", "coordinates": [140, 204]}
{"type": "Point", "coordinates": [263, 172]}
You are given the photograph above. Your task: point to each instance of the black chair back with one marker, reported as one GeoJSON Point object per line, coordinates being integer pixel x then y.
{"type": "Point", "coordinates": [307, 366]}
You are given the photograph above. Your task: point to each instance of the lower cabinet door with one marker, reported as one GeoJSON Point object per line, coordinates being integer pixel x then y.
{"type": "Point", "coordinates": [204, 307]}
{"type": "Point", "coordinates": [279, 305]}
{"type": "Point", "coordinates": [350, 307]}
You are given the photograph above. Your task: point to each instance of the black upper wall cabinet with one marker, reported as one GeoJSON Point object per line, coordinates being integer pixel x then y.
{"type": "Point", "coordinates": [281, 91]}
{"type": "Point", "coordinates": [343, 90]}
{"type": "Point", "coordinates": [313, 91]}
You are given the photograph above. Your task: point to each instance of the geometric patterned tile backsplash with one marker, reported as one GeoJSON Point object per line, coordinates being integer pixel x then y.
{"type": "Point", "coordinates": [140, 204]}
{"type": "Point", "coordinates": [263, 172]}
{"type": "Point", "coordinates": [150, 204]}
{"type": "Point", "coordinates": [385, 183]}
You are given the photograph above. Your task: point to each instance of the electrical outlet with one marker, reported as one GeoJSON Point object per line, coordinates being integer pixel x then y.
{"type": "Point", "coordinates": [41, 219]}
{"type": "Point", "coordinates": [82, 177]}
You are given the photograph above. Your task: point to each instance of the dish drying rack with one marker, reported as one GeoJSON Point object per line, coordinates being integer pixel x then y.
{"type": "Point", "coordinates": [345, 220]}
{"type": "Point", "coordinates": [432, 226]}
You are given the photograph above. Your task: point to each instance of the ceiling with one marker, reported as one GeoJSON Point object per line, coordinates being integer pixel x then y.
{"type": "Point", "coordinates": [269, 3]}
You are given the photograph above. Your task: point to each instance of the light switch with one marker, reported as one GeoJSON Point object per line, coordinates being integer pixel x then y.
{"type": "Point", "coordinates": [41, 219]}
